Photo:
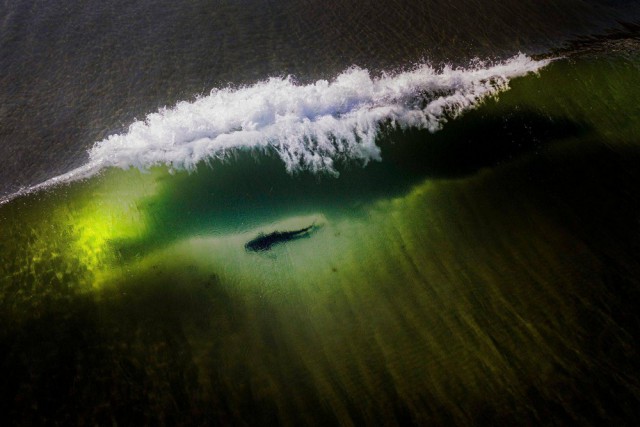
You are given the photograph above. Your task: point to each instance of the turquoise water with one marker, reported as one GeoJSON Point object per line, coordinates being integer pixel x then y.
{"type": "Point", "coordinates": [483, 273]}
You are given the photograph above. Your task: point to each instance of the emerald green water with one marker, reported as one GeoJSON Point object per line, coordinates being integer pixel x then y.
{"type": "Point", "coordinates": [487, 273]}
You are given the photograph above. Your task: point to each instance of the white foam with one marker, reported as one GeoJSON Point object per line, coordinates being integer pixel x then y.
{"type": "Point", "coordinates": [309, 126]}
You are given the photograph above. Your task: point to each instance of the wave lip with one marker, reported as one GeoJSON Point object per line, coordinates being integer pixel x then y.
{"type": "Point", "coordinates": [309, 126]}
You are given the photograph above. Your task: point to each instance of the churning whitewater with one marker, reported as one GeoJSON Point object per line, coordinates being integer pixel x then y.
{"type": "Point", "coordinates": [309, 126]}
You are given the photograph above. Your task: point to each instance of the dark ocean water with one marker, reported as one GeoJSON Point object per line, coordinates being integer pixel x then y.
{"type": "Point", "coordinates": [469, 171]}
{"type": "Point", "coordinates": [74, 72]}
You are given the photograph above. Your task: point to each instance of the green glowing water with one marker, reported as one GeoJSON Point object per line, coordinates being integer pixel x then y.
{"type": "Point", "coordinates": [484, 273]}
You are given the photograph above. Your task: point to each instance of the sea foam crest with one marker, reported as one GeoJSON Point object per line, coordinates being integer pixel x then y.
{"type": "Point", "coordinates": [309, 126]}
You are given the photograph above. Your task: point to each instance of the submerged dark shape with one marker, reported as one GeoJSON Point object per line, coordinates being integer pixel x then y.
{"type": "Point", "coordinates": [264, 242]}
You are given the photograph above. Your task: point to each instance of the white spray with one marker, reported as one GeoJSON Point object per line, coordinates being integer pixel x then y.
{"type": "Point", "coordinates": [309, 126]}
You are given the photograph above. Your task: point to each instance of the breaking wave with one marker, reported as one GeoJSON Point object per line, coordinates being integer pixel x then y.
{"type": "Point", "coordinates": [309, 126]}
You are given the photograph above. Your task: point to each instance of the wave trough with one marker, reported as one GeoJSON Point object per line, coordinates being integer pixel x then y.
{"type": "Point", "coordinates": [309, 126]}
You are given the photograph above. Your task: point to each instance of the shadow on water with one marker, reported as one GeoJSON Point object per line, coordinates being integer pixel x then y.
{"type": "Point", "coordinates": [253, 189]}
